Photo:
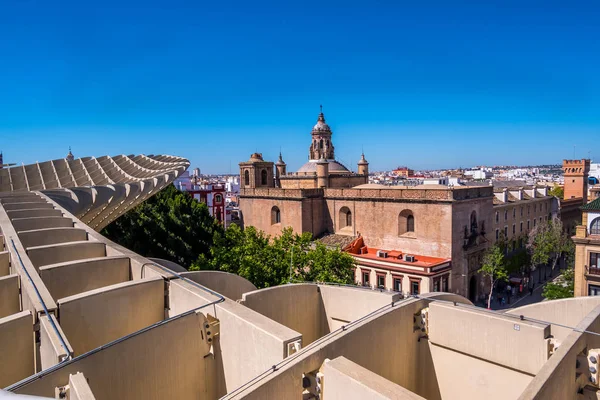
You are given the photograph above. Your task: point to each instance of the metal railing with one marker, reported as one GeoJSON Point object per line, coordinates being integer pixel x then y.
{"type": "Point", "coordinates": [188, 280]}
{"type": "Point", "coordinates": [380, 310]}
{"type": "Point", "coordinates": [354, 286]}
{"type": "Point", "coordinates": [519, 317]}
{"type": "Point", "coordinates": [309, 347]}
{"type": "Point", "coordinates": [41, 374]}
{"type": "Point", "coordinates": [592, 270]}
{"type": "Point", "coordinates": [39, 296]}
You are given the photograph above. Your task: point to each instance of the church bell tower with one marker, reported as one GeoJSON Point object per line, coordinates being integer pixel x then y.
{"type": "Point", "coordinates": [321, 147]}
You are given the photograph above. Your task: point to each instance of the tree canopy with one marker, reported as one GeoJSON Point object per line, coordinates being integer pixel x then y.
{"type": "Point", "coordinates": [174, 226]}
{"type": "Point", "coordinates": [557, 191]}
{"type": "Point", "coordinates": [548, 242]}
{"type": "Point", "coordinates": [170, 225]}
{"type": "Point", "coordinates": [269, 261]}
{"type": "Point", "coordinates": [562, 287]}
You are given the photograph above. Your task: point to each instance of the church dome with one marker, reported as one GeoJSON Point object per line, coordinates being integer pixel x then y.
{"type": "Point", "coordinates": [321, 125]}
{"type": "Point", "coordinates": [334, 166]}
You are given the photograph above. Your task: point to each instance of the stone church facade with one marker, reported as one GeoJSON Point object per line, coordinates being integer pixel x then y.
{"type": "Point", "coordinates": [324, 197]}
{"type": "Point", "coordinates": [443, 230]}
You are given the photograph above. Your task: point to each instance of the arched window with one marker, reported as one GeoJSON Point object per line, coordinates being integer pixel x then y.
{"type": "Point", "coordinates": [275, 215]}
{"type": "Point", "coordinates": [496, 216]}
{"type": "Point", "coordinates": [218, 198]}
{"type": "Point", "coordinates": [321, 144]}
{"type": "Point", "coordinates": [345, 218]}
{"type": "Point", "coordinates": [246, 178]}
{"type": "Point", "coordinates": [595, 227]}
{"type": "Point", "coordinates": [406, 222]}
{"type": "Point", "coordinates": [263, 177]}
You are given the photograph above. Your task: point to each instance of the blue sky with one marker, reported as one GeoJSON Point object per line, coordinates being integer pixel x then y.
{"type": "Point", "coordinates": [426, 84]}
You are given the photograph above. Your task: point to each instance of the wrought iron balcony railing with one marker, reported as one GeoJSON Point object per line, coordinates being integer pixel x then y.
{"type": "Point", "coordinates": [592, 270]}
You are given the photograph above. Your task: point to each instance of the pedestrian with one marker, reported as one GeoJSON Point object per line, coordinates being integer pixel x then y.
{"type": "Point", "coordinates": [531, 290]}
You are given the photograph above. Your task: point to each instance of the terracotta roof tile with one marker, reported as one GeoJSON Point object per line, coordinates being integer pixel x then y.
{"type": "Point", "coordinates": [420, 260]}
{"type": "Point", "coordinates": [339, 241]}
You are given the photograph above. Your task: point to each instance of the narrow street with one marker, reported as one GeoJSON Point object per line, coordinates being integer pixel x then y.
{"type": "Point", "coordinates": [526, 298]}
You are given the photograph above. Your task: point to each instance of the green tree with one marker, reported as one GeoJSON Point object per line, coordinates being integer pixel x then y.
{"type": "Point", "coordinates": [561, 288]}
{"type": "Point", "coordinates": [269, 261]}
{"type": "Point", "coordinates": [548, 243]}
{"type": "Point", "coordinates": [327, 265]}
{"type": "Point", "coordinates": [170, 225]}
{"type": "Point", "coordinates": [174, 226]}
{"type": "Point", "coordinates": [557, 191]}
{"type": "Point", "coordinates": [493, 267]}
{"type": "Point", "coordinates": [539, 246]}
{"type": "Point", "coordinates": [560, 241]}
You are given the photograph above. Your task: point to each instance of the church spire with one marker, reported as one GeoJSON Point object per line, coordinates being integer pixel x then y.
{"type": "Point", "coordinates": [280, 161]}
{"type": "Point", "coordinates": [70, 156]}
{"type": "Point", "coordinates": [321, 115]}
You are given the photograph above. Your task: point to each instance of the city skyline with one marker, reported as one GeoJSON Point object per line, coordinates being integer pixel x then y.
{"type": "Point", "coordinates": [441, 86]}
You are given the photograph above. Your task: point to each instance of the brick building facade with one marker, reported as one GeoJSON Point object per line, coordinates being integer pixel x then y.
{"type": "Point", "coordinates": [450, 225]}
{"type": "Point", "coordinates": [575, 174]}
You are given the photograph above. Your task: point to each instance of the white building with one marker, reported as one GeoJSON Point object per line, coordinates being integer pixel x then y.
{"type": "Point", "coordinates": [232, 185]}
{"type": "Point", "coordinates": [479, 174]}
{"type": "Point", "coordinates": [595, 170]}
{"type": "Point", "coordinates": [183, 182]}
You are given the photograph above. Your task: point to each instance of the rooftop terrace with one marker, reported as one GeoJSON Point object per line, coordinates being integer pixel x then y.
{"type": "Point", "coordinates": [81, 317]}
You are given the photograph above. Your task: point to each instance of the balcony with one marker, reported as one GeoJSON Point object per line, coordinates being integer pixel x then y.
{"type": "Point", "coordinates": [592, 270]}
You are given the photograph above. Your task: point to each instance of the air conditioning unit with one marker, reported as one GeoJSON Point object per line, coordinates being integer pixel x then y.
{"type": "Point", "coordinates": [410, 258]}
{"type": "Point", "coordinates": [382, 253]}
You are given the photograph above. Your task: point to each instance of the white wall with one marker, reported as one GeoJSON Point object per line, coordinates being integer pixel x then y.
{"type": "Point", "coordinates": [591, 216]}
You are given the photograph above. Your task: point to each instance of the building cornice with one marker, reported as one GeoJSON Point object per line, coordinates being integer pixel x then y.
{"type": "Point", "coordinates": [393, 268]}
